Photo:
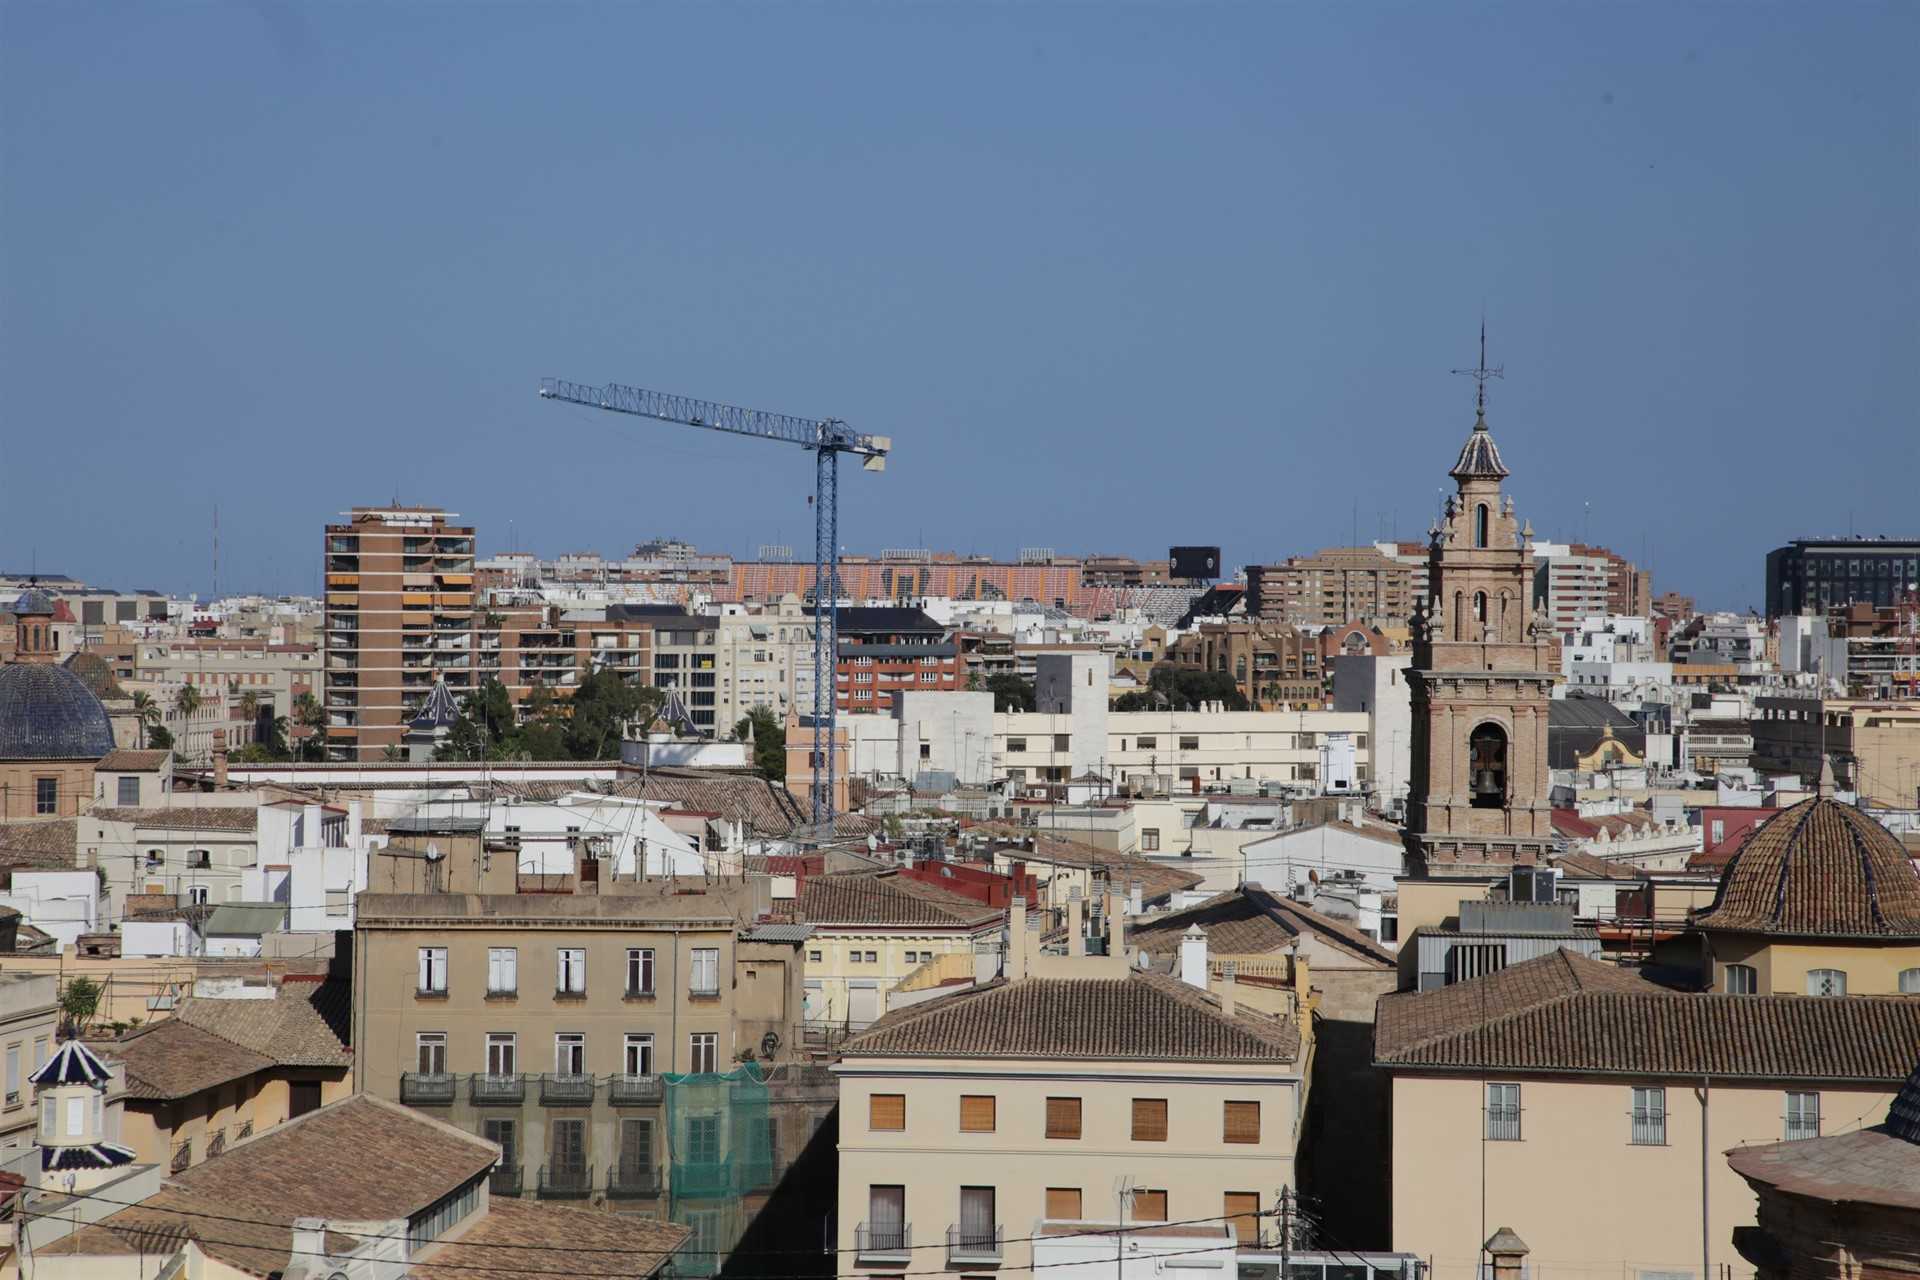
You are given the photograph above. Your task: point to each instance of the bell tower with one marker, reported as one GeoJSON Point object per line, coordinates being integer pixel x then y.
{"type": "Point", "coordinates": [1481, 677]}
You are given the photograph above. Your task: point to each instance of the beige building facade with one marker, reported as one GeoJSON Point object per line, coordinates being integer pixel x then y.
{"type": "Point", "coordinates": [29, 1023]}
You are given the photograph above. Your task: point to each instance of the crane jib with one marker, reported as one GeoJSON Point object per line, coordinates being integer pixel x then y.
{"type": "Point", "coordinates": [809, 433]}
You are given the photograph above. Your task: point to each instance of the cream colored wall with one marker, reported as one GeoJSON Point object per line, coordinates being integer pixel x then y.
{"type": "Point", "coordinates": [1782, 967]}
{"type": "Point", "coordinates": [932, 1159]}
{"type": "Point", "coordinates": [1574, 1188]}
{"type": "Point", "coordinates": [1428, 903]}
{"type": "Point", "coordinates": [31, 1017]}
{"type": "Point", "coordinates": [835, 972]}
{"type": "Point", "coordinates": [127, 983]}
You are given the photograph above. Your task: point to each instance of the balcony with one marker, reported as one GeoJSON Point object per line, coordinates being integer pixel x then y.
{"type": "Point", "coordinates": [505, 1181]}
{"type": "Point", "coordinates": [883, 1242]}
{"type": "Point", "coordinates": [633, 1091]}
{"type": "Point", "coordinates": [566, 1090]}
{"type": "Point", "coordinates": [636, 1183]}
{"type": "Point", "coordinates": [974, 1246]}
{"type": "Point", "coordinates": [427, 1088]}
{"type": "Point", "coordinates": [488, 1090]}
{"type": "Point", "coordinates": [565, 1184]}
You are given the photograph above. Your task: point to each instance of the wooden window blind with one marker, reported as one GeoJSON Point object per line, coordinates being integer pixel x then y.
{"type": "Point", "coordinates": [1063, 1204]}
{"type": "Point", "coordinates": [1242, 1210]}
{"type": "Point", "coordinates": [1149, 1206]}
{"type": "Point", "coordinates": [889, 1111]}
{"type": "Point", "coordinates": [1242, 1122]}
{"type": "Point", "coordinates": [976, 1112]}
{"type": "Point", "coordinates": [1149, 1119]}
{"type": "Point", "coordinates": [1063, 1117]}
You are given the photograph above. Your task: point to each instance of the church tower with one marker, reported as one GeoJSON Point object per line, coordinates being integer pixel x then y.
{"type": "Point", "coordinates": [1481, 678]}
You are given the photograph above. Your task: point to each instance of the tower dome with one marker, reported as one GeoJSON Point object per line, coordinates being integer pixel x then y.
{"type": "Point", "coordinates": [1819, 869]}
{"type": "Point", "coordinates": [48, 713]}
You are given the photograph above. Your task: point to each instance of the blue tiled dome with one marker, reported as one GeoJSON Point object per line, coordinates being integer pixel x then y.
{"type": "Point", "coordinates": [48, 713]}
{"type": "Point", "coordinates": [33, 601]}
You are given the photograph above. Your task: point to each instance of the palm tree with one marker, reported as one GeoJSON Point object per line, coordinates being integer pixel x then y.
{"type": "Point", "coordinates": [310, 715]}
{"type": "Point", "coordinates": [146, 713]}
{"type": "Point", "coordinates": [187, 701]}
{"type": "Point", "coordinates": [392, 754]}
{"type": "Point", "coordinates": [250, 710]}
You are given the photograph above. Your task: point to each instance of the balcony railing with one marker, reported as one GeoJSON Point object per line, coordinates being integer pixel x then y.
{"type": "Point", "coordinates": [505, 1181]}
{"type": "Point", "coordinates": [490, 1090]}
{"type": "Point", "coordinates": [216, 1143]}
{"type": "Point", "coordinates": [427, 1088]}
{"type": "Point", "coordinates": [885, 1241]}
{"type": "Point", "coordinates": [627, 1091]}
{"type": "Point", "coordinates": [968, 1246]}
{"type": "Point", "coordinates": [635, 1183]}
{"type": "Point", "coordinates": [182, 1157]}
{"type": "Point", "coordinates": [561, 1089]}
{"type": "Point", "coordinates": [566, 1184]}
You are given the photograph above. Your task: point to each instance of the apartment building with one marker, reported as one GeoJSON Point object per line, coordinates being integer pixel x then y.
{"type": "Point", "coordinates": [399, 618]}
{"type": "Point", "coordinates": [1874, 746]}
{"type": "Point", "coordinates": [29, 1022]}
{"type": "Point", "coordinates": [885, 651]}
{"type": "Point", "coordinates": [1336, 585]}
{"type": "Point", "coordinates": [1809, 575]}
{"type": "Point", "coordinates": [1274, 666]}
{"type": "Point", "coordinates": [868, 932]}
{"type": "Point", "coordinates": [275, 674]}
{"type": "Point", "coordinates": [1075, 1087]}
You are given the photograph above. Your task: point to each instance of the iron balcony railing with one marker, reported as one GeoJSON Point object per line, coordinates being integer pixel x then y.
{"type": "Point", "coordinates": [974, 1244]}
{"type": "Point", "coordinates": [505, 1181]}
{"type": "Point", "coordinates": [491, 1090]}
{"type": "Point", "coordinates": [628, 1090]}
{"type": "Point", "coordinates": [565, 1183]}
{"type": "Point", "coordinates": [427, 1088]}
{"type": "Point", "coordinates": [1649, 1128]}
{"type": "Point", "coordinates": [883, 1240]}
{"type": "Point", "coordinates": [1503, 1123]}
{"type": "Point", "coordinates": [563, 1089]}
{"type": "Point", "coordinates": [633, 1182]}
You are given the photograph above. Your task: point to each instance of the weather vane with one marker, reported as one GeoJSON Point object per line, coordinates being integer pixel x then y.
{"type": "Point", "coordinates": [1481, 374]}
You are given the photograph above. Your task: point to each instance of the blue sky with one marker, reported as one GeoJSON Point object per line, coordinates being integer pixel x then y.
{"type": "Point", "coordinates": [1112, 276]}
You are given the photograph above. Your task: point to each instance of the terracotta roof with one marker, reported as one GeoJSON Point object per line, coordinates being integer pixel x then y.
{"type": "Point", "coordinates": [723, 902]}
{"type": "Point", "coordinates": [886, 898]}
{"type": "Point", "coordinates": [174, 1059]}
{"type": "Point", "coordinates": [304, 1025]}
{"type": "Point", "coordinates": [1870, 1166]}
{"type": "Point", "coordinates": [132, 761]}
{"type": "Point", "coordinates": [1820, 868]}
{"type": "Point", "coordinates": [1565, 1013]}
{"type": "Point", "coordinates": [540, 1229]}
{"type": "Point", "coordinates": [1141, 1017]}
{"type": "Point", "coordinates": [183, 817]}
{"type": "Point", "coordinates": [43, 842]}
{"type": "Point", "coordinates": [357, 1160]}
{"type": "Point", "coordinates": [1157, 879]}
{"type": "Point", "coordinates": [1577, 865]}
{"type": "Point", "coordinates": [1250, 921]}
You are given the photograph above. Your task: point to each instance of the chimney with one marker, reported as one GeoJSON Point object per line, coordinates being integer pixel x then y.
{"type": "Point", "coordinates": [1134, 894]}
{"type": "Point", "coordinates": [1017, 939]}
{"type": "Point", "coordinates": [310, 1244]}
{"type": "Point", "coordinates": [1116, 932]}
{"type": "Point", "coordinates": [1509, 1253]}
{"type": "Point", "coordinates": [1193, 957]}
{"type": "Point", "coordinates": [1076, 923]}
{"type": "Point", "coordinates": [354, 827]}
{"type": "Point", "coordinates": [1226, 993]}
{"type": "Point", "coordinates": [219, 766]}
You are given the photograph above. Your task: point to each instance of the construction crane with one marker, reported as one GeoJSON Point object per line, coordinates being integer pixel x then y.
{"type": "Point", "coordinates": [827, 439]}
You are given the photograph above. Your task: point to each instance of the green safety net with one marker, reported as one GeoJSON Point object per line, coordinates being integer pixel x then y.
{"type": "Point", "coordinates": [719, 1150]}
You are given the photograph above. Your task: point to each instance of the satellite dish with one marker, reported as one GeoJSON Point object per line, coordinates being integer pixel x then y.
{"type": "Point", "coordinates": [433, 852]}
{"type": "Point", "coordinates": [769, 1043]}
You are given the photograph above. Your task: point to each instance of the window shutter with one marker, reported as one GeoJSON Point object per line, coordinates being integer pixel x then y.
{"type": "Point", "coordinates": [1242, 1206]}
{"type": "Point", "coordinates": [1149, 1119]}
{"type": "Point", "coordinates": [1149, 1206]}
{"type": "Point", "coordinates": [976, 1113]}
{"type": "Point", "coordinates": [887, 1111]}
{"type": "Point", "coordinates": [1063, 1117]}
{"type": "Point", "coordinates": [1063, 1204]}
{"type": "Point", "coordinates": [1242, 1122]}
{"type": "Point", "coordinates": [425, 969]}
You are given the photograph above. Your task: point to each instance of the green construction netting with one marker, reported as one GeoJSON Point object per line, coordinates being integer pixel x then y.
{"type": "Point", "coordinates": [719, 1149]}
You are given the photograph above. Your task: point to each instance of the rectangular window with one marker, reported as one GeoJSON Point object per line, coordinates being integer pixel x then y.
{"type": "Point", "coordinates": [1243, 1215]}
{"type": "Point", "coordinates": [570, 1053]}
{"type": "Point", "coordinates": [433, 970]}
{"type": "Point", "coordinates": [500, 1053]}
{"type": "Point", "coordinates": [76, 1117]}
{"type": "Point", "coordinates": [639, 971]}
{"type": "Point", "coordinates": [127, 792]}
{"type": "Point", "coordinates": [40, 1053]}
{"type": "Point", "coordinates": [572, 977]}
{"type": "Point", "coordinates": [1803, 1116]}
{"type": "Point", "coordinates": [887, 1112]}
{"type": "Point", "coordinates": [873, 957]}
{"type": "Point", "coordinates": [1062, 742]}
{"type": "Point", "coordinates": [706, 972]}
{"type": "Point", "coordinates": [1063, 1204]}
{"type": "Point", "coordinates": [507, 1134]}
{"type": "Point", "coordinates": [1826, 982]}
{"type": "Point", "coordinates": [977, 1113]}
{"type": "Point", "coordinates": [886, 1218]}
{"type": "Point", "coordinates": [1150, 840]}
{"type": "Point", "coordinates": [1063, 1117]}
{"type": "Point", "coordinates": [1503, 1113]}
{"type": "Point", "coordinates": [703, 1047]}
{"type": "Point", "coordinates": [13, 1074]}
{"type": "Point", "coordinates": [636, 1144]}
{"type": "Point", "coordinates": [569, 1139]}
{"type": "Point", "coordinates": [703, 1139]}
{"type": "Point", "coordinates": [1241, 1122]}
{"type": "Point", "coordinates": [978, 1226]}
{"type": "Point", "coordinates": [1144, 744]}
{"type": "Point", "coordinates": [503, 971]}
{"type": "Point", "coordinates": [1649, 1117]}
{"type": "Point", "coordinates": [1742, 979]}
{"type": "Point", "coordinates": [46, 795]}
{"type": "Point", "coordinates": [430, 1055]}
{"type": "Point", "coordinates": [1149, 1206]}
{"type": "Point", "coordinates": [1016, 745]}
{"type": "Point", "coordinates": [1149, 1119]}
{"type": "Point", "coordinates": [637, 1054]}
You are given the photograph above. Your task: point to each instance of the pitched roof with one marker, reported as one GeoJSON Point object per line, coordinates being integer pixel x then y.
{"type": "Point", "coordinates": [42, 842]}
{"type": "Point", "coordinates": [304, 1025]}
{"type": "Point", "coordinates": [174, 1059]}
{"type": "Point", "coordinates": [132, 761]}
{"type": "Point", "coordinates": [525, 1236]}
{"type": "Point", "coordinates": [1141, 1017]}
{"type": "Point", "coordinates": [1565, 1013]}
{"type": "Point", "coordinates": [73, 1064]}
{"type": "Point", "coordinates": [1820, 868]}
{"type": "Point", "coordinates": [1577, 865]}
{"type": "Point", "coordinates": [1250, 921]}
{"type": "Point", "coordinates": [359, 1159]}
{"type": "Point", "coordinates": [1479, 457]}
{"type": "Point", "coordinates": [1869, 1166]}
{"type": "Point", "coordinates": [184, 817]}
{"type": "Point", "coordinates": [887, 898]}
{"type": "Point", "coordinates": [1157, 879]}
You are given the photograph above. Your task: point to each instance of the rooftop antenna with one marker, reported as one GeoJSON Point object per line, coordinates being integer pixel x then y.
{"type": "Point", "coordinates": [1480, 374]}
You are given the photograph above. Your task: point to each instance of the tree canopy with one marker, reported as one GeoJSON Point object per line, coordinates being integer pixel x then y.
{"type": "Point", "coordinates": [1177, 688]}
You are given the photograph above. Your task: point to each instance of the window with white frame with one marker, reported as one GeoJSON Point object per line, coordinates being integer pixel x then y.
{"type": "Point", "coordinates": [1503, 1113]}
{"type": "Point", "coordinates": [430, 1052]}
{"type": "Point", "coordinates": [503, 971]}
{"type": "Point", "coordinates": [1826, 982]}
{"type": "Point", "coordinates": [571, 978]}
{"type": "Point", "coordinates": [637, 1056]}
{"type": "Point", "coordinates": [502, 1053]}
{"type": "Point", "coordinates": [1742, 979]}
{"type": "Point", "coordinates": [570, 1053]}
{"type": "Point", "coordinates": [1910, 982]}
{"type": "Point", "coordinates": [639, 971]}
{"type": "Point", "coordinates": [1803, 1116]}
{"type": "Point", "coordinates": [1649, 1117]}
{"type": "Point", "coordinates": [703, 1051]}
{"type": "Point", "coordinates": [433, 970]}
{"type": "Point", "coordinates": [705, 979]}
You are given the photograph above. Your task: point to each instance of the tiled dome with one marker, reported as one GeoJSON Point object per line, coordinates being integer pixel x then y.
{"type": "Point", "coordinates": [48, 713]}
{"type": "Point", "coordinates": [1479, 456]}
{"type": "Point", "coordinates": [1819, 869]}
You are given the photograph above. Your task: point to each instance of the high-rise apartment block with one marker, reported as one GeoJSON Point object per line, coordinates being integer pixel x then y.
{"type": "Point", "coordinates": [1340, 584]}
{"type": "Point", "coordinates": [399, 617]}
{"type": "Point", "coordinates": [1578, 581]}
{"type": "Point", "coordinates": [1814, 574]}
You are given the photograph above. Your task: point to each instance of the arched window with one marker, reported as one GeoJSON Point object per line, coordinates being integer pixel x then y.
{"type": "Point", "coordinates": [1742, 980]}
{"type": "Point", "coordinates": [1480, 525]}
{"type": "Point", "coordinates": [1826, 982]}
{"type": "Point", "coordinates": [1459, 615]}
{"type": "Point", "coordinates": [1488, 778]}
{"type": "Point", "coordinates": [1480, 607]}
{"type": "Point", "coordinates": [1910, 982]}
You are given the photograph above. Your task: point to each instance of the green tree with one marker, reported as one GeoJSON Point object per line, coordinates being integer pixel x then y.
{"type": "Point", "coordinates": [308, 714]}
{"type": "Point", "coordinates": [79, 1001]}
{"type": "Point", "coordinates": [146, 713]}
{"type": "Point", "coordinates": [602, 709]}
{"type": "Point", "coordinates": [158, 738]}
{"type": "Point", "coordinates": [491, 708]}
{"type": "Point", "coordinates": [187, 701]}
{"type": "Point", "coordinates": [1010, 692]}
{"type": "Point", "coordinates": [1176, 688]}
{"type": "Point", "coordinates": [769, 742]}
{"type": "Point", "coordinates": [466, 740]}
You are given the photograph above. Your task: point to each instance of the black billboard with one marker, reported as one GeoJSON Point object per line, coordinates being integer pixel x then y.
{"type": "Point", "coordinates": [1194, 562]}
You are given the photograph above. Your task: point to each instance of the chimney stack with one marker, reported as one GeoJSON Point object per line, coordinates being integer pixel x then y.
{"type": "Point", "coordinates": [1227, 971]}
{"type": "Point", "coordinates": [1509, 1254]}
{"type": "Point", "coordinates": [1193, 957]}
{"type": "Point", "coordinates": [1017, 939]}
{"type": "Point", "coordinates": [219, 765]}
{"type": "Point", "coordinates": [1135, 894]}
{"type": "Point", "coordinates": [1076, 923]}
